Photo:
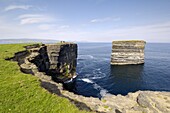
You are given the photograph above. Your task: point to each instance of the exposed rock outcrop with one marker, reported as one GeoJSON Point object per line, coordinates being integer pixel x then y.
{"type": "Point", "coordinates": [138, 102]}
{"type": "Point", "coordinates": [127, 52]}
{"type": "Point", "coordinates": [63, 60]}
{"type": "Point", "coordinates": [57, 60]}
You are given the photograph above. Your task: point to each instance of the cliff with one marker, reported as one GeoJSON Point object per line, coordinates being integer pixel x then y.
{"type": "Point", "coordinates": [63, 60]}
{"type": "Point", "coordinates": [127, 52]}
{"type": "Point", "coordinates": [57, 60]}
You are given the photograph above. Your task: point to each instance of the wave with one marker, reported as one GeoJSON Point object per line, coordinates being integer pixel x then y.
{"type": "Point", "coordinates": [87, 80]}
{"type": "Point", "coordinates": [96, 86]}
{"type": "Point", "coordinates": [82, 57]}
{"type": "Point", "coordinates": [96, 73]}
{"type": "Point", "coordinates": [102, 92]}
{"type": "Point", "coordinates": [68, 81]}
{"type": "Point", "coordinates": [98, 69]}
{"type": "Point", "coordinates": [96, 77]}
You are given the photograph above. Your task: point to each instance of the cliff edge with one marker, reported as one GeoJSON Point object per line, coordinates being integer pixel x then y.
{"type": "Point", "coordinates": [57, 60]}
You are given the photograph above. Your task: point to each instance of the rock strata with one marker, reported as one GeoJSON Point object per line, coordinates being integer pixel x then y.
{"type": "Point", "coordinates": [127, 52]}
{"type": "Point", "coordinates": [138, 102]}
{"type": "Point", "coordinates": [57, 60]}
{"type": "Point", "coordinates": [63, 60]}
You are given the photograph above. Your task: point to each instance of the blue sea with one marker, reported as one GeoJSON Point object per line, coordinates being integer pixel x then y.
{"type": "Point", "coordinates": [96, 77]}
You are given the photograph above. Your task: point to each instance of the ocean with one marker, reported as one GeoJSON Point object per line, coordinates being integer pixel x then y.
{"type": "Point", "coordinates": [96, 77]}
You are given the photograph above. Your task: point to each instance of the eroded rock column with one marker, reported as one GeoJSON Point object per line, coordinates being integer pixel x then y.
{"type": "Point", "coordinates": [127, 52]}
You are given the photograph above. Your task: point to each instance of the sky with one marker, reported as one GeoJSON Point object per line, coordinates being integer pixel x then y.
{"type": "Point", "coordinates": [86, 20]}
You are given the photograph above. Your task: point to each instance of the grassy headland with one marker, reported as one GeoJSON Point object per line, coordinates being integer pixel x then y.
{"type": "Point", "coordinates": [21, 92]}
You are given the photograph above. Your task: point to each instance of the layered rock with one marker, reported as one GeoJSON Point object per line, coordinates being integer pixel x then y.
{"type": "Point", "coordinates": [127, 52]}
{"type": "Point", "coordinates": [63, 60]}
{"type": "Point", "coordinates": [57, 60]}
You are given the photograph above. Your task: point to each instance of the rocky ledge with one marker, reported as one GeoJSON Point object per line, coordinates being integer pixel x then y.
{"type": "Point", "coordinates": [138, 102]}
{"type": "Point", "coordinates": [127, 52]}
{"type": "Point", "coordinates": [56, 60]}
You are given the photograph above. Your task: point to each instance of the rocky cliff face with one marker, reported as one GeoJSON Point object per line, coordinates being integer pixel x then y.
{"type": "Point", "coordinates": [127, 52]}
{"type": "Point", "coordinates": [57, 60]}
{"type": "Point", "coordinates": [63, 60]}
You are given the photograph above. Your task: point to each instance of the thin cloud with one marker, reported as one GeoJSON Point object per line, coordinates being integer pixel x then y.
{"type": "Point", "coordinates": [29, 15]}
{"type": "Point", "coordinates": [104, 19]}
{"type": "Point", "coordinates": [151, 33]}
{"type": "Point", "coordinates": [53, 27]}
{"type": "Point", "coordinates": [14, 7]}
{"type": "Point", "coordinates": [34, 19]}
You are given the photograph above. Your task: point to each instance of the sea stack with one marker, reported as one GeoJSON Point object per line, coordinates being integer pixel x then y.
{"type": "Point", "coordinates": [127, 52]}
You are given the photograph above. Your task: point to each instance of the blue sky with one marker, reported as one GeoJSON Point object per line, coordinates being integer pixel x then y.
{"type": "Point", "coordinates": [86, 20]}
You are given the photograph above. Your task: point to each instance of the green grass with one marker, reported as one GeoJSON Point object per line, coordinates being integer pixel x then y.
{"type": "Point", "coordinates": [22, 93]}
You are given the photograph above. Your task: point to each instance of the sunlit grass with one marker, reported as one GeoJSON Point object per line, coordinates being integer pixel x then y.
{"type": "Point", "coordinates": [21, 92]}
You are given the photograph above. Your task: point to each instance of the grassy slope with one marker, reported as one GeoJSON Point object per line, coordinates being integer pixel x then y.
{"type": "Point", "coordinates": [21, 92]}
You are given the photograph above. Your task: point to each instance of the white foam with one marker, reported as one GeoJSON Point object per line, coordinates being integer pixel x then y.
{"type": "Point", "coordinates": [103, 92]}
{"type": "Point", "coordinates": [69, 81]}
{"type": "Point", "coordinates": [97, 74]}
{"type": "Point", "coordinates": [75, 76]}
{"type": "Point", "coordinates": [96, 86]}
{"type": "Point", "coordinates": [87, 80]}
{"type": "Point", "coordinates": [85, 57]}
{"type": "Point", "coordinates": [91, 56]}
{"type": "Point", "coordinates": [95, 78]}
{"type": "Point", "coordinates": [105, 59]}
